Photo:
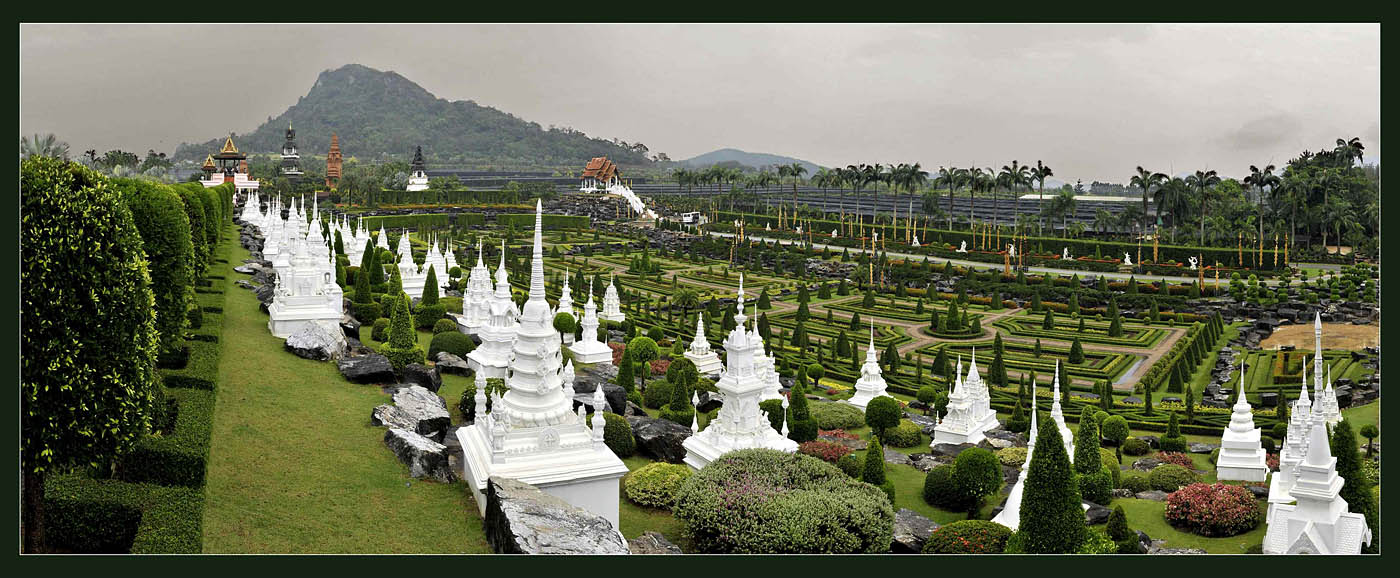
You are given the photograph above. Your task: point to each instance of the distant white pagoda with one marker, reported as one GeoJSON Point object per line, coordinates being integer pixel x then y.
{"type": "Point", "coordinates": [566, 302]}
{"type": "Point", "coordinates": [740, 423]}
{"type": "Point", "coordinates": [383, 241]}
{"type": "Point", "coordinates": [412, 277]}
{"type": "Point", "coordinates": [476, 300]}
{"type": "Point", "coordinates": [492, 357]}
{"type": "Point", "coordinates": [872, 382]}
{"type": "Point", "coordinates": [1241, 455]}
{"type": "Point", "coordinates": [1010, 515]}
{"type": "Point", "coordinates": [1325, 405]}
{"type": "Point", "coordinates": [418, 178]}
{"type": "Point", "coordinates": [532, 433]}
{"type": "Point", "coordinates": [612, 306]}
{"type": "Point", "coordinates": [705, 359]}
{"type": "Point", "coordinates": [967, 421]}
{"type": "Point", "coordinates": [1058, 415]}
{"type": "Point", "coordinates": [252, 209]}
{"type": "Point", "coordinates": [1320, 522]}
{"type": "Point", "coordinates": [1295, 448]}
{"type": "Point", "coordinates": [588, 349]}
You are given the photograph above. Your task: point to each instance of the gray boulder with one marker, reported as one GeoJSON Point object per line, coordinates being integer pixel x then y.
{"type": "Point", "coordinates": [894, 457]}
{"type": "Point", "coordinates": [424, 457]}
{"type": "Point", "coordinates": [652, 543]}
{"type": "Point", "coordinates": [709, 401]}
{"type": "Point", "coordinates": [451, 364]}
{"type": "Point", "coordinates": [1200, 448]}
{"type": "Point", "coordinates": [1154, 495]}
{"type": "Point", "coordinates": [521, 519]}
{"type": "Point", "coordinates": [350, 326]}
{"type": "Point", "coordinates": [1096, 514]}
{"type": "Point", "coordinates": [911, 531]}
{"type": "Point", "coordinates": [373, 368]}
{"type": "Point", "coordinates": [661, 439]}
{"type": "Point", "coordinates": [613, 393]}
{"type": "Point", "coordinates": [1146, 464]}
{"type": "Point", "coordinates": [415, 409]}
{"type": "Point", "coordinates": [430, 378]}
{"type": "Point", "coordinates": [1156, 550]}
{"type": "Point", "coordinates": [317, 343]}
{"type": "Point", "coordinates": [950, 450]}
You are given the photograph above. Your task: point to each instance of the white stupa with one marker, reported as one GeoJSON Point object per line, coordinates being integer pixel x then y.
{"type": "Point", "coordinates": [438, 262]}
{"type": "Point", "coordinates": [1010, 515]}
{"type": "Point", "coordinates": [532, 433]}
{"type": "Point", "coordinates": [964, 423]}
{"type": "Point", "coordinates": [872, 382]}
{"type": "Point", "coordinates": [1320, 522]}
{"type": "Point", "coordinates": [251, 209]}
{"type": "Point", "coordinates": [1295, 448]}
{"type": "Point", "coordinates": [492, 357]}
{"type": "Point", "coordinates": [740, 423]}
{"type": "Point", "coordinates": [566, 298]}
{"type": "Point", "coordinates": [705, 359]}
{"type": "Point", "coordinates": [1058, 415]}
{"type": "Point", "coordinates": [612, 306]}
{"type": "Point", "coordinates": [383, 241]}
{"type": "Point", "coordinates": [588, 349]}
{"type": "Point", "coordinates": [307, 294]}
{"type": "Point", "coordinates": [451, 258]}
{"type": "Point", "coordinates": [1325, 399]}
{"type": "Point", "coordinates": [412, 276]}
{"type": "Point", "coordinates": [1241, 455]}
{"type": "Point", "coordinates": [476, 300]}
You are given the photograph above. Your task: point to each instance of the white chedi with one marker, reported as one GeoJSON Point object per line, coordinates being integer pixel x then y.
{"type": "Point", "coordinates": [493, 355]}
{"type": "Point", "coordinates": [1320, 521]}
{"type": "Point", "coordinates": [1010, 515]}
{"type": "Point", "coordinates": [1325, 406]}
{"type": "Point", "coordinates": [476, 300]}
{"type": "Point", "coordinates": [587, 349]}
{"type": "Point", "coordinates": [705, 359]}
{"type": "Point", "coordinates": [871, 383]}
{"type": "Point", "coordinates": [413, 277]}
{"type": "Point", "coordinates": [1241, 455]}
{"type": "Point", "coordinates": [305, 294]}
{"type": "Point", "coordinates": [1057, 414]}
{"type": "Point", "coordinates": [533, 433]}
{"type": "Point", "coordinates": [612, 304]}
{"type": "Point", "coordinates": [969, 409]}
{"type": "Point", "coordinates": [740, 424]}
{"type": "Point", "coordinates": [1295, 448]}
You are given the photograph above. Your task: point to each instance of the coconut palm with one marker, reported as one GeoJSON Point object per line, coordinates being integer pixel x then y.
{"type": "Point", "coordinates": [948, 177]}
{"type": "Point", "coordinates": [1351, 150]}
{"type": "Point", "coordinates": [795, 170]}
{"type": "Point", "coordinates": [46, 145]}
{"type": "Point", "coordinates": [1260, 180]}
{"type": "Point", "coordinates": [1146, 180]}
{"type": "Point", "coordinates": [1039, 173]}
{"type": "Point", "coordinates": [1203, 182]}
{"type": "Point", "coordinates": [1063, 205]}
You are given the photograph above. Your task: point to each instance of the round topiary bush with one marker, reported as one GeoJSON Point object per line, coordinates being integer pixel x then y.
{"type": "Point", "coordinates": [771, 502]}
{"type": "Point", "coordinates": [941, 490]}
{"type": "Point", "coordinates": [1170, 477]}
{"type": "Point", "coordinates": [1135, 482]}
{"type": "Point", "coordinates": [850, 465]}
{"type": "Point", "coordinates": [160, 217]}
{"type": "Point", "coordinates": [451, 341]}
{"type": "Point", "coordinates": [1014, 457]}
{"type": "Point", "coordinates": [658, 393]}
{"type": "Point", "coordinates": [380, 330]}
{"type": "Point", "coordinates": [1213, 510]}
{"type": "Point", "coordinates": [617, 434]}
{"type": "Point", "coordinates": [655, 485]}
{"type": "Point", "coordinates": [444, 326]}
{"type": "Point", "coordinates": [837, 416]}
{"type": "Point", "coordinates": [968, 537]}
{"type": "Point", "coordinates": [1136, 447]}
{"type": "Point", "coordinates": [904, 435]}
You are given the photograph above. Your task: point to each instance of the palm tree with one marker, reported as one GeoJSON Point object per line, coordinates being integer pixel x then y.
{"type": "Point", "coordinates": [1203, 182]}
{"type": "Point", "coordinates": [874, 174]}
{"type": "Point", "coordinates": [1351, 150]}
{"type": "Point", "coordinates": [1063, 204]}
{"type": "Point", "coordinates": [1145, 180]}
{"type": "Point", "coordinates": [46, 145]}
{"type": "Point", "coordinates": [1016, 175]}
{"type": "Point", "coordinates": [1103, 221]}
{"type": "Point", "coordinates": [1039, 173]}
{"type": "Point", "coordinates": [1171, 199]}
{"type": "Point", "coordinates": [795, 170]}
{"type": "Point", "coordinates": [949, 177]}
{"type": "Point", "coordinates": [1261, 180]}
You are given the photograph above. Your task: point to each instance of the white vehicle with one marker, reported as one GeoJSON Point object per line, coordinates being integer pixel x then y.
{"type": "Point", "coordinates": [690, 218]}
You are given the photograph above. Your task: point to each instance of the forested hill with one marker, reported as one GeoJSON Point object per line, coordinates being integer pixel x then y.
{"type": "Point", "coordinates": [380, 114]}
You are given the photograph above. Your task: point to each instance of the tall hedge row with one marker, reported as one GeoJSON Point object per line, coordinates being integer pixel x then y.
{"type": "Point", "coordinates": [160, 217]}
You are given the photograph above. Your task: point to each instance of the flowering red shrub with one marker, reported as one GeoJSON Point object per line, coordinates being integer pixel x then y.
{"type": "Point", "coordinates": [1177, 458]}
{"type": "Point", "coordinates": [968, 537]}
{"type": "Point", "coordinates": [838, 434]}
{"type": "Point", "coordinates": [1272, 462]}
{"type": "Point", "coordinates": [825, 451]}
{"type": "Point", "coordinates": [832, 391]}
{"type": "Point", "coordinates": [617, 349]}
{"type": "Point", "coordinates": [1213, 509]}
{"type": "Point", "coordinates": [659, 366]}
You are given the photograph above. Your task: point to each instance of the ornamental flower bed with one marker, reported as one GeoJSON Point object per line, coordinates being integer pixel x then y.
{"type": "Point", "coordinates": [1177, 458]}
{"type": "Point", "coordinates": [1213, 510]}
{"type": "Point", "coordinates": [968, 537]}
{"type": "Point", "coordinates": [823, 450]}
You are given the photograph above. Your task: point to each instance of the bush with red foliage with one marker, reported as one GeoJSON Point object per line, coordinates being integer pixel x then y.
{"type": "Point", "coordinates": [1177, 458]}
{"type": "Point", "coordinates": [617, 349]}
{"type": "Point", "coordinates": [824, 450]}
{"type": "Point", "coordinates": [1213, 510]}
{"type": "Point", "coordinates": [659, 366]}
{"type": "Point", "coordinates": [838, 434]}
{"type": "Point", "coordinates": [1272, 462]}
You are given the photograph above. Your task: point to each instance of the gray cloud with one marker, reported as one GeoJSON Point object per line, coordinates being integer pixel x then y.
{"type": "Point", "coordinates": [1093, 101]}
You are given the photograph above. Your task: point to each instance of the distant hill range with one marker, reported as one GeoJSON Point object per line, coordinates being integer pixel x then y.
{"type": "Point", "coordinates": [380, 114]}
{"type": "Point", "coordinates": [748, 159]}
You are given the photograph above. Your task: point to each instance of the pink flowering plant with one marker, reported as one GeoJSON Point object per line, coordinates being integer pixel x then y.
{"type": "Point", "coordinates": [1213, 510]}
{"type": "Point", "coordinates": [1177, 458]}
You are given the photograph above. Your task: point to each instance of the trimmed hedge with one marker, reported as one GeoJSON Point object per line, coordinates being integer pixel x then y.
{"type": "Point", "coordinates": [968, 537]}
{"type": "Point", "coordinates": [655, 485]}
{"type": "Point", "coordinates": [831, 416]}
{"type": "Point", "coordinates": [110, 516]}
{"type": "Point", "coordinates": [527, 220]}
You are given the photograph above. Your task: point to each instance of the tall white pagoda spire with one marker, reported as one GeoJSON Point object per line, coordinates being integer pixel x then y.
{"type": "Point", "coordinates": [706, 361]}
{"type": "Point", "coordinates": [1321, 521]}
{"type": "Point", "coordinates": [1057, 414]}
{"type": "Point", "coordinates": [1241, 455]}
{"type": "Point", "coordinates": [1010, 515]}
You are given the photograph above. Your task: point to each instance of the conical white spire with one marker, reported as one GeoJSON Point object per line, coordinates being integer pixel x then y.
{"type": "Point", "coordinates": [537, 262]}
{"type": "Point", "coordinates": [1319, 453]}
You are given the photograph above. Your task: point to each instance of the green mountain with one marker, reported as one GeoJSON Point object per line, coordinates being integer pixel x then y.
{"type": "Point", "coordinates": [748, 159]}
{"type": "Point", "coordinates": [382, 115]}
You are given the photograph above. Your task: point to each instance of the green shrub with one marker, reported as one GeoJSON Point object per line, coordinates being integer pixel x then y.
{"type": "Point", "coordinates": [368, 312]}
{"type": "Point", "coordinates": [684, 416]}
{"type": "Point", "coordinates": [199, 244]}
{"type": "Point", "coordinates": [1096, 487]}
{"type": "Point", "coordinates": [881, 413]}
{"type": "Point", "coordinates": [84, 515]}
{"type": "Point", "coordinates": [1136, 447]}
{"type": "Point", "coordinates": [1097, 542]}
{"type": "Point", "coordinates": [452, 342]}
{"type": "Point", "coordinates": [976, 474]}
{"type": "Point", "coordinates": [904, 435]}
{"type": "Point", "coordinates": [1170, 477]}
{"type": "Point", "coordinates": [617, 434]}
{"type": "Point", "coordinates": [444, 326]}
{"type": "Point", "coordinates": [941, 490]}
{"type": "Point", "coordinates": [380, 330]}
{"type": "Point", "coordinates": [773, 408]}
{"type": "Point", "coordinates": [655, 485]}
{"type": "Point", "coordinates": [657, 394]}
{"type": "Point", "coordinates": [1014, 457]}
{"type": "Point", "coordinates": [1135, 482]}
{"type": "Point", "coordinates": [968, 537]}
{"type": "Point", "coordinates": [178, 457]}
{"type": "Point", "coordinates": [768, 501]}
{"type": "Point", "coordinates": [850, 465]}
{"type": "Point", "coordinates": [165, 235]}
{"type": "Point", "coordinates": [402, 348]}
{"type": "Point", "coordinates": [831, 416]}
{"type": "Point", "coordinates": [428, 315]}
{"type": "Point", "coordinates": [1173, 444]}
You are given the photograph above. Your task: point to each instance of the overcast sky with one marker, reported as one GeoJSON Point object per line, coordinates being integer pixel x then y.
{"type": "Point", "coordinates": [1092, 101]}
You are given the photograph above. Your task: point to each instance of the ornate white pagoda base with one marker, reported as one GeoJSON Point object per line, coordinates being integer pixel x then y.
{"type": "Point", "coordinates": [959, 436]}
{"type": "Point", "coordinates": [581, 475]}
{"type": "Point", "coordinates": [591, 351]}
{"type": "Point", "coordinates": [618, 317]}
{"type": "Point", "coordinates": [706, 364]}
{"type": "Point", "coordinates": [701, 449]}
{"type": "Point", "coordinates": [288, 315]}
{"type": "Point", "coordinates": [862, 398]}
{"type": "Point", "coordinates": [1241, 458]}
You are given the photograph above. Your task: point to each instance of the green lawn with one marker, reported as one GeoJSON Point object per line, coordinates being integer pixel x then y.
{"type": "Point", "coordinates": [1149, 516]}
{"type": "Point", "coordinates": [296, 467]}
{"type": "Point", "coordinates": [636, 520]}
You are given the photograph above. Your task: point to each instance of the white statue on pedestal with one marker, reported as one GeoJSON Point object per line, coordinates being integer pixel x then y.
{"type": "Point", "coordinates": [588, 349]}
{"type": "Point", "coordinates": [1241, 455]}
{"type": "Point", "coordinates": [1193, 263]}
{"type": "Point", "coordinates": [916, 241]}
{"type": "Point", "coordinates": [833, 233]}
{"type": "Point", "coordinates": [962, 247]}
{"type": "Point", "coordinates": [1064, 254]}
{"type": "Point", "coordinates": [1127, 260]}
{"type": "Point", "coordinates": [532, 433]}
{"type": "Point", "coordinates": [1011, 250]}
{"type": "Point", "coordinates": [612, 305]}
